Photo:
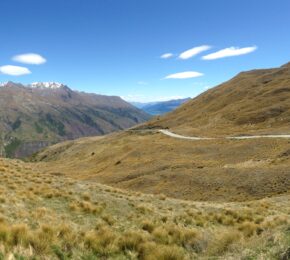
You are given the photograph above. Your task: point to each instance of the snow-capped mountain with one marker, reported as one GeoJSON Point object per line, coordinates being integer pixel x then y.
{"type": "Point", "coordinates": [3, 84]}
{"type": "Point", "coordinates": [44, 85]}
{"type": "Point", "coordinates": [42, 113]}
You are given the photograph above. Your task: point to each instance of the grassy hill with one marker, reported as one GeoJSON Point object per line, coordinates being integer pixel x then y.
{"type": "Point", "coordinates": [217, 170]}
{"type": "Point", "coordinates": [34, 117]}
{"type": "Point", "coordinates": [256, 101]}
{"type": "Point", "coordinates": [54, 216]}
{"type": "Point", "coordinates": [139, 194]}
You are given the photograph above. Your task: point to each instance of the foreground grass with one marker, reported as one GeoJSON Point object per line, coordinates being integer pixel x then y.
{"type": "Point", "coordinates": [50, 216]}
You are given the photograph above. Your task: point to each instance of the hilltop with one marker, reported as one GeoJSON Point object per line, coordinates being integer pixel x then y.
{"type": "Point", "coordinates": [256, 101]}
{"type": "Point", "coordinates": [43, 113]}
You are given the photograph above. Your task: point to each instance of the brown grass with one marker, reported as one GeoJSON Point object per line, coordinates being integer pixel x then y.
{"type": "Point", "coordinates": [81, 219]}
{"type": "Point", "coordinates": [219, 170]}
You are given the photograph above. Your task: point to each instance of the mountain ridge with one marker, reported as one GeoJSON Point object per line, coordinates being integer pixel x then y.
{"type": "Point", "coordinates": [35, 116]}
{"type": "Point", "coordinates": [253, 101]}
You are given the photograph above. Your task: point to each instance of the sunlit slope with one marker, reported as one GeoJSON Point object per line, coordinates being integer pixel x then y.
{"type": "Point", "coordinates": [216, 170]}
{"type": "Point", "coordinates": [53, 216]}
{"type": "Point", "coordinates": [256, 101]}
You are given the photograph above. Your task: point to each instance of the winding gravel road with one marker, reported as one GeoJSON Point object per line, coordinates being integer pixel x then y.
{"type": "Point", "coordinates": [168, 133]}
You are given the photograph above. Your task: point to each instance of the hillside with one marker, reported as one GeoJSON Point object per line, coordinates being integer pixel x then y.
{"type": "Point", "coordinates": [53, 216]}
{"type": "Point", "coordinates": [34, 116]}
{"type": "Point", "coordinates": [150, 162]}
{"type": "Point", "coordinates": [253, 101]}
{"type": "Point", "coordinates": [168, 198]}
{"type": "Point", "coordinates": [159, 108]}
{"type": "Point", "coordinates": [208, 170]}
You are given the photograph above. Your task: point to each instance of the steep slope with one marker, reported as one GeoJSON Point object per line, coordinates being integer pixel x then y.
{"type": "Point", "coordinates": [34, 116]}
{"type": "Point", "coordinates": [253, 101]}
{"type": "Point", "coordinates": [159, 108]}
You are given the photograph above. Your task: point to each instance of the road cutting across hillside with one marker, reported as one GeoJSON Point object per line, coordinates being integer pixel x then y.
{"type": "Point", "coordinates": [168, 133]}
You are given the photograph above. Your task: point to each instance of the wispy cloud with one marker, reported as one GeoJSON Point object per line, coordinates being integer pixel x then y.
{"type": "Point", "coordinates": [29, 58]}
{"type": "Point", "coordinates": [229, 52]}
{"type": "Point", "coordinates": [142, 83]}
{"type": "Point", "coordinates": [166, 55]}
{"type": "Point", "coordinates": [14, 70]}
{"type": "Point", "coordinates": [184, 75]}
{"type": "Point", "coordinates": [193, 52]}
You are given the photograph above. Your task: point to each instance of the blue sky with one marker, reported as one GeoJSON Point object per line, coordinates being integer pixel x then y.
{"type": "Point", "coordinates": [114, 47]}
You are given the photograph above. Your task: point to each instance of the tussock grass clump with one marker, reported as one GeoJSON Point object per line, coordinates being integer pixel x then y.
{"type": "Point", "coordinates": [86, 196]}
{"type": "Point", "coordinates": [162, 197]}
{"type": "Point", "coordinates": [86, 207]}
{"type": "Point", "coordinates": [18, 234]}
{"type": "Point", "coordinates": [165, 252]}
{"type": "Point", "coordinates": [108, 219]}
{"type": "Point", "coordinates": [102, 242]}
{"type": "Point", "coordinates": [223, 241]}
{"type": "Point", "coordinates": [160, 235]}
{"type": "Point", "coordinates": [132, 241]}
{"type": "Point", "coordinates": [248, 228]}
{"type": "Point", "coordinates": [42, 239]}
{"type": "Point", "coordinates": [147, 225]}
{"type": "Point", "coordinates": [144, 209]}
{"type": "Point", "coordinates": [4, 233]}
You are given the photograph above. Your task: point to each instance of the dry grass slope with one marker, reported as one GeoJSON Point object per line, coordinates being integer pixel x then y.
{"type": "Point", "coordinates": [53, 216]}
{"type": "Point", "coordinates": [219, 170]}
{"type": "Point", "coordinates": [256, 101]}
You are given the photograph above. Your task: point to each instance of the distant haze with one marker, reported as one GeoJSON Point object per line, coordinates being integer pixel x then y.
{"type": "Point", "coordinates": [160, 107]}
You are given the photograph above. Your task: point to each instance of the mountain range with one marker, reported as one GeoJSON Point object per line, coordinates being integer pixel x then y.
{"type": "Point", "coordinates": [43, 113]}
{"type": "Point", "coordinates": [161, 107]}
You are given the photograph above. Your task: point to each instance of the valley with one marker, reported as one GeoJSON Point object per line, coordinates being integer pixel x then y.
{"type": "Point", "coordinates": [145, 130]}
{"type": "Point", "coordinates": [160, 107]}
{"type": "Point", "coordinates": [151, 162]}
{"type": "Point", "coordinates": [163, 189]}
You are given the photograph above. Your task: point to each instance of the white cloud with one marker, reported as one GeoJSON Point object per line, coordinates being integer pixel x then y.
{"type": "Point", "coordinates": [142, 83]}
{"type": "Point", "coordinates": [14, 70]}
{"type": "Point", "coordinates": [29, 58]}
{"type": "Point", "coordinates": [184, 75]}
{"type": "Point", "coordinates": [207, 87]}
{"type": "Point", "coordinates": [166, 56]}
{"type": "Point", "coordinates": [193, 52]}
{"type": "Point", "coordinates": [228, 52]}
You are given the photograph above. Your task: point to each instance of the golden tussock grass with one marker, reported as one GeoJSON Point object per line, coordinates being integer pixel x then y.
{"type": "Point", "coordinates": [68, 219]}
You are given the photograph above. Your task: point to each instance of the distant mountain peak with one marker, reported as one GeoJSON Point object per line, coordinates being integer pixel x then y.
{"type": "Point", "coordinates": [3, 84]}
{"type": "Point", "coordinates": [46, 85]}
